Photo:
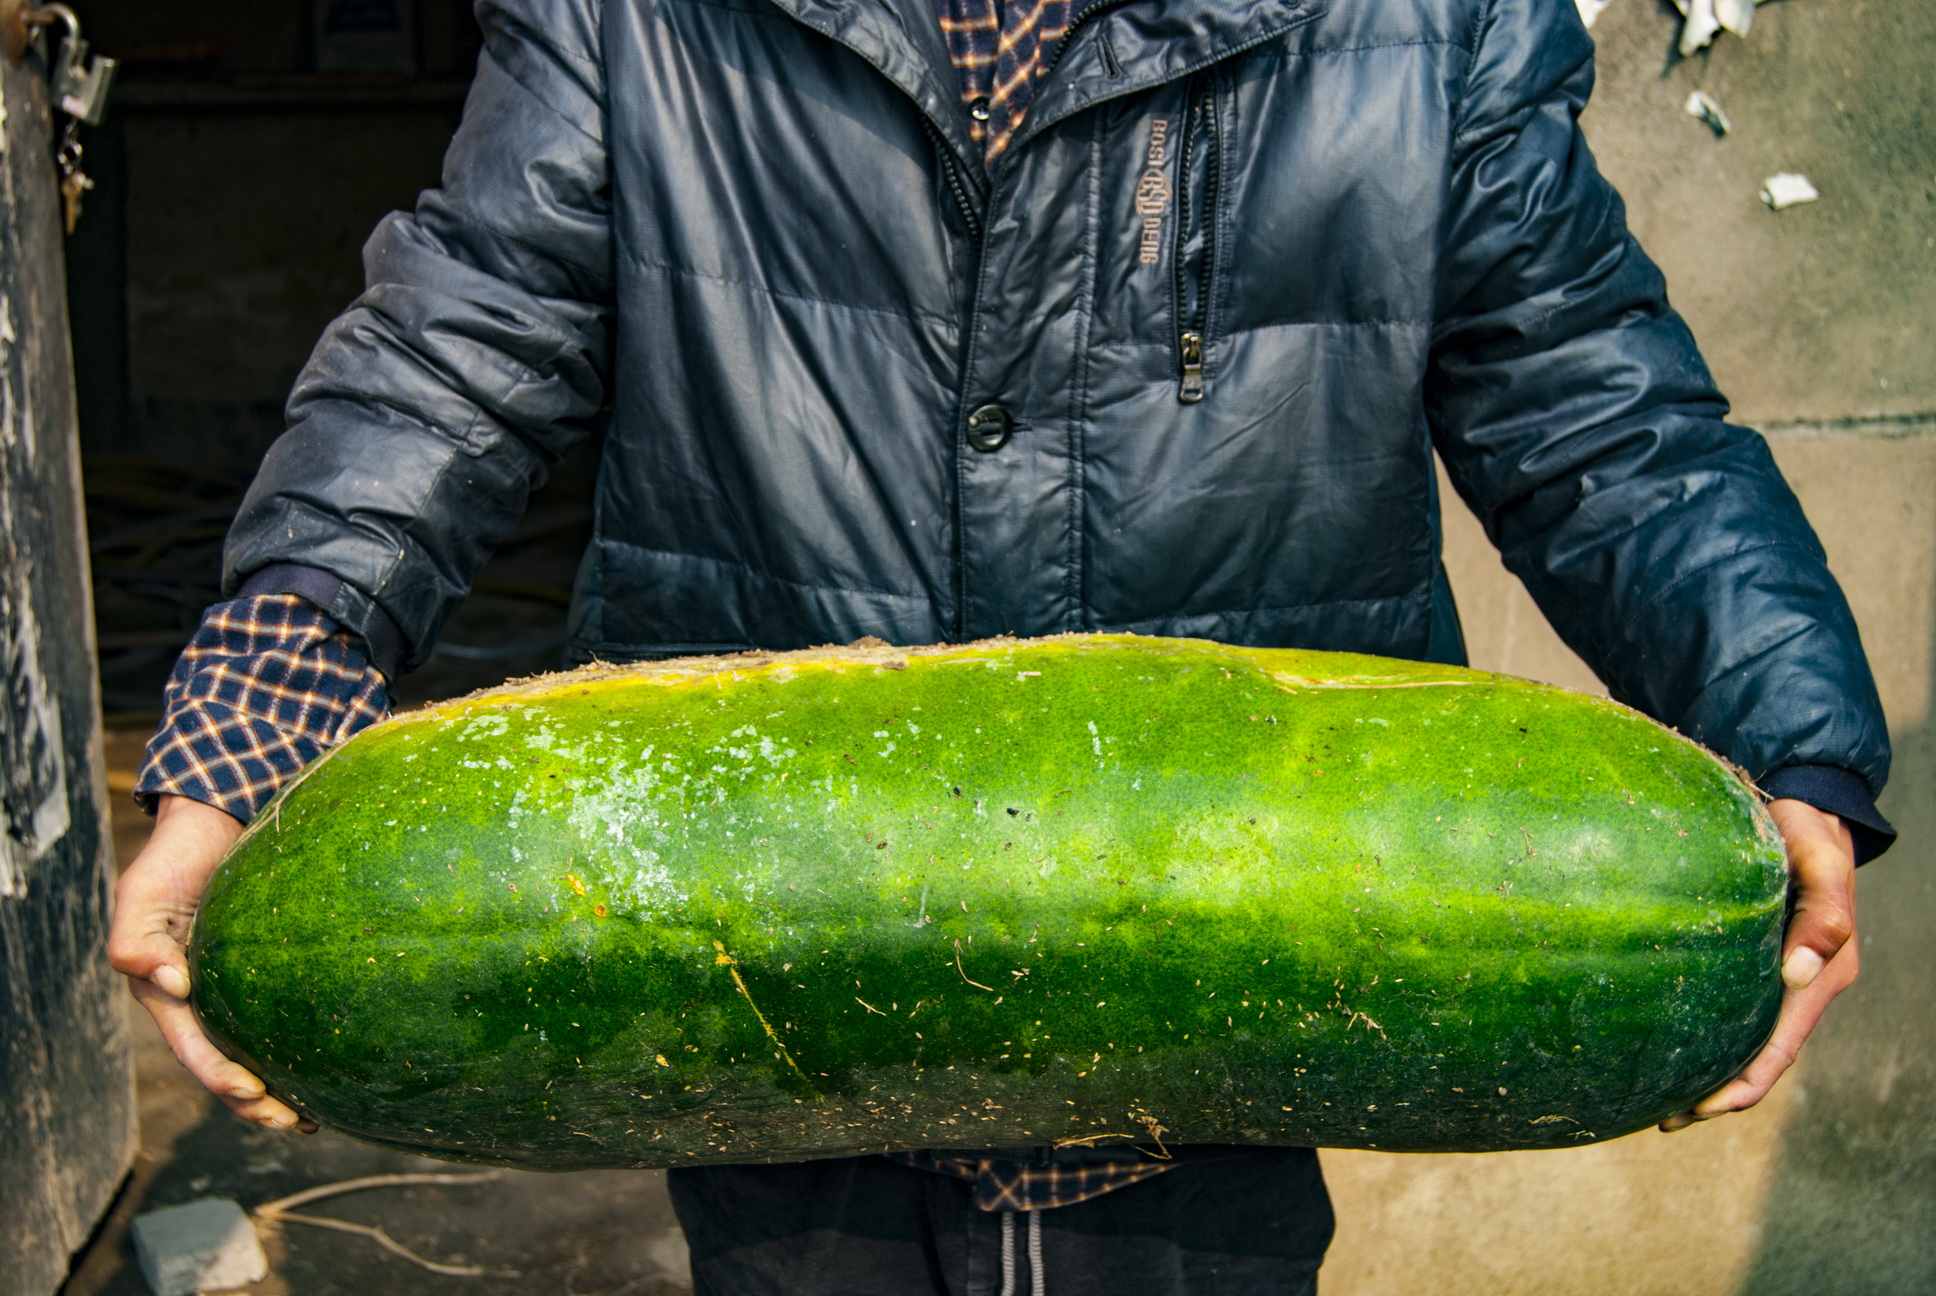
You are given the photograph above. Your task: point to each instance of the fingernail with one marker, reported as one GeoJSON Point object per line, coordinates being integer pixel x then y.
{"type": "Point", "coordinates": [278, 1122]}
{"type": "Point", "coordinates": [251, 1088]}
{"type": "Point", "coordinates": [1801, 967]}
{"type": "Point", "coordinates": [171, 980]}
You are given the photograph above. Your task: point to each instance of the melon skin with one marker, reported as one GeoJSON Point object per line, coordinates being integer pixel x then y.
{"type": "Point", "coordinates": [1091, 888]}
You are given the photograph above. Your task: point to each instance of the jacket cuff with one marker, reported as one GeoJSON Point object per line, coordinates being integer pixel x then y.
{"type": "Point", "coordinates": [350, 608]}
{"type": "Point", "coordinates": [1841, 793]}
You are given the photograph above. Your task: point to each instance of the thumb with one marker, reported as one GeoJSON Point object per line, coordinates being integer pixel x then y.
{"type": "Point", "coordinates": [1821, 861]}
{"type": "Point", "coordinates": [142, 943]}
{"type": "Point", "coordinates": [156, 898]}
{"type": "Point", "coordinates": [170, 978]}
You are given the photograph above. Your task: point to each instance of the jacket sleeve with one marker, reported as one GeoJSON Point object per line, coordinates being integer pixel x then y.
{"type": "Point", "coordinates": [1577, 419]}
{"type": "Point", "coordinates": [476, 355]}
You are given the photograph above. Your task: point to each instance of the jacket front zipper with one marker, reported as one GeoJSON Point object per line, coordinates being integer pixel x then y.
{"type": "Point", "coordinates": [1193, 292]}
{"type": "Point", "coordinates": [958, 184]}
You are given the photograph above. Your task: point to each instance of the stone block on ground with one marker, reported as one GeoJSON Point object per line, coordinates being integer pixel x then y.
{"type": "Point", "coordinates": [203, 1246]}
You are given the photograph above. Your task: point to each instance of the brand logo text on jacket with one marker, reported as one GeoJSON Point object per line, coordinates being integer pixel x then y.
{"type": "Point", "coordinates": [1153, 192]}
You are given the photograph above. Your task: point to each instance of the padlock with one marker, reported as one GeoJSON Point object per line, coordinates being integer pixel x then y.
{"type": "Point", "coordinates": [80, 83]}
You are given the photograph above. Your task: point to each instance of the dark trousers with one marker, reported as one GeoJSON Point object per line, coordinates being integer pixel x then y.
{"type": "Point", "coordinates": [1226, 1221]}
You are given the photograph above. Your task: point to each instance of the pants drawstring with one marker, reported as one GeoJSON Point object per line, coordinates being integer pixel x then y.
{"type": "Point", "coordinates": [1008, 1253]}
{"type": "Point", "coordinates": [1037, 1287]}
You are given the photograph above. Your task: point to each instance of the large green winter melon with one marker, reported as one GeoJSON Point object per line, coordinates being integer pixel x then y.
{"type": "Point", "coordinates": [1092, 888]}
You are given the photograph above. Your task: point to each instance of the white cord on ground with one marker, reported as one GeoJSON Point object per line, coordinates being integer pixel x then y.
{"type": "Point", "coordinates": [309, 1195]}
{"type": "Point", "coordinates": [280, 1211]}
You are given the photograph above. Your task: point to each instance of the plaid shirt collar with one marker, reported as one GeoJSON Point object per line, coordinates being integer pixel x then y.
{"type": "Point", "coordinates": [1001, 52]}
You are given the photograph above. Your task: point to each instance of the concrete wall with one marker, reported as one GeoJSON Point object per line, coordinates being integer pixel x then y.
{"type": "Point", "coordinates": [1818, 322]}
{"type": "Point", "coordinates": [1821, 311]}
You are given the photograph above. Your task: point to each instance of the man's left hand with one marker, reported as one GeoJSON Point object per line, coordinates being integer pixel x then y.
{"type": "Point", "coordinates": [1820, 957]}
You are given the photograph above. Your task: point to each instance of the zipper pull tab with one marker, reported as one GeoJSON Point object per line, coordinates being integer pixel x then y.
{"type": "Point", "coordinates": [1191, 344]}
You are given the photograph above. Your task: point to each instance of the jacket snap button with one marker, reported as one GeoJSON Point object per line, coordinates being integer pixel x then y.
{"type": "Point", "coordinates": [980, 109]}
{"type": "Point", "coordinates": [989, 428]}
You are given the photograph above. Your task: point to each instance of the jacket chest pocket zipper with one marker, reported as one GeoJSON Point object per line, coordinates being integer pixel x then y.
{"type": "Point", "coordinates": [1195, 278]}
{"type": "Point", "coordinates": [1189, 351]}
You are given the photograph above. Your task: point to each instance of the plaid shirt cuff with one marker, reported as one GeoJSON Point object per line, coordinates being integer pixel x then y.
{"type": "Point", "coordinates": [269, 683]}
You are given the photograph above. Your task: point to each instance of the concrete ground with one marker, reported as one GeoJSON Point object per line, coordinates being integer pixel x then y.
{"type": "Point", "coordinates": [594, 1233]}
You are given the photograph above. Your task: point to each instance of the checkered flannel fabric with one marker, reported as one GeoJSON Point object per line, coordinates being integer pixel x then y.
{"type": "Point", "coordinates": [268, 684]}
{"type": "Point", "coordinates": [1000, 1185]}
{"type": "Point", "coordinates": [1000, 49]}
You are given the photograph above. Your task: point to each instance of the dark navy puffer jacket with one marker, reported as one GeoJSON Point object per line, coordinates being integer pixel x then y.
{"type": "Point", "coordinates": [1179, 365]}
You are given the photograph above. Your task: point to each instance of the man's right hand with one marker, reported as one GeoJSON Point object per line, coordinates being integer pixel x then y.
{"type": "Point", "coordinates": [154, 906]}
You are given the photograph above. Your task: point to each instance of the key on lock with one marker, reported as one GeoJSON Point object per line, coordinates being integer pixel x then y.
{"type": "Point", "coordinates": [80, 85]}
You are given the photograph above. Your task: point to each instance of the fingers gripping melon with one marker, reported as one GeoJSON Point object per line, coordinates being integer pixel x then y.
{"type": "Point", "coordinates": [1091, 888]}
